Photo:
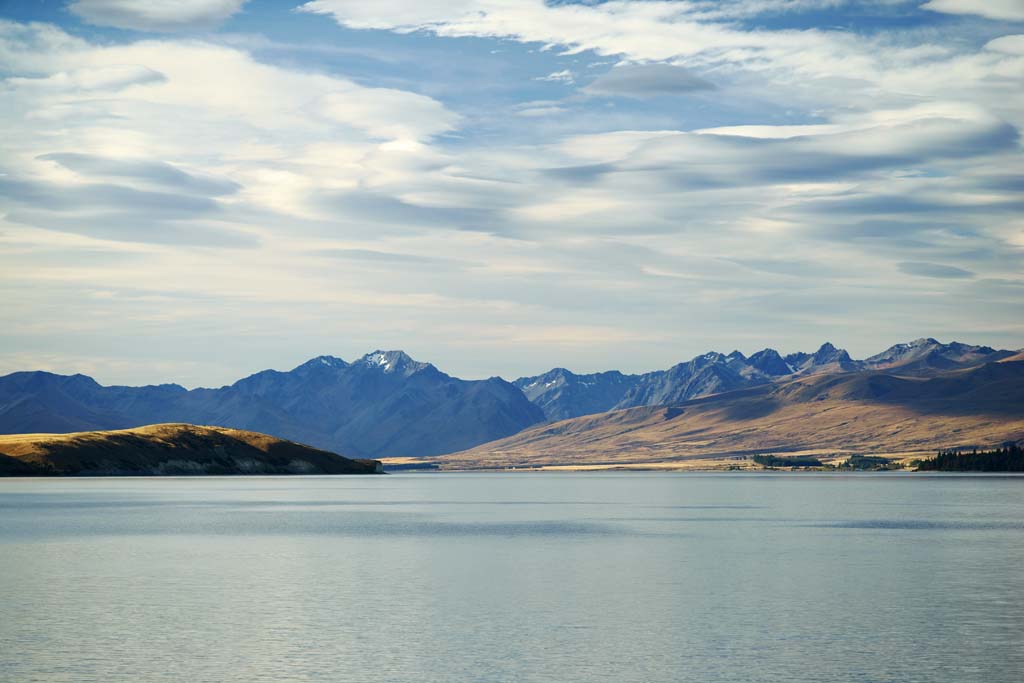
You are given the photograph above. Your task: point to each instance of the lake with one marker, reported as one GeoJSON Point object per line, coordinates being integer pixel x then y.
{"type": "Point", "coordinates": [514, 577]}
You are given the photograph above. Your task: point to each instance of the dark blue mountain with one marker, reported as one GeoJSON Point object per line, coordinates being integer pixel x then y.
{"type": "Point", "coordinates": [384, 404]}
{"type": "Point", "coordinates": [562, 394]}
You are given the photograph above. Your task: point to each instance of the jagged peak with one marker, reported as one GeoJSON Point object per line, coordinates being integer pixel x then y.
{"type": "Point", "coordinates": [916, 344]}
{"type": "Point", "coordinates": [827, 353]}
{"type": "Point", "coordinates": [770, 362]}
{"type": "Point", "coordinates": [548, 378]}
{"type": "Point", "coordinates": [394, 360]}
{"type": "Point", "coordinates": [323, 361]}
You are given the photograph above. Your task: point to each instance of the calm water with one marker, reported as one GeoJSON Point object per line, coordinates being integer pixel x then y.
{"type": "Point", "coordinates": [514, 577]}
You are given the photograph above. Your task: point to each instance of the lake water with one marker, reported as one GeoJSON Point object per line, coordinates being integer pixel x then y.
{"type": "Point", "coordinates": [514, 577]}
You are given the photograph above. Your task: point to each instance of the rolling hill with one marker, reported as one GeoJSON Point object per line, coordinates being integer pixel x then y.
{"type": "Point", "coordinates": [167, 449]}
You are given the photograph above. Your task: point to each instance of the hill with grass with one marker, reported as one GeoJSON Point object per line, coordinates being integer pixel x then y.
{"type": "Point", "coordinates": [167, 449]}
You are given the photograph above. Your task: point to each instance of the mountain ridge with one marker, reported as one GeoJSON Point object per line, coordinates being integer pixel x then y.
{"type": "Point", "coordinates": [384, 403]}
{"type": "Point", "coordinates": [714, 372]}
{"type": "Point", "coordinates": [873, 412]}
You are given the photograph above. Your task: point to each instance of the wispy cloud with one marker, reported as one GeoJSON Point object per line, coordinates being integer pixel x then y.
{"type": "Point", "coordinates": [181, 15]}
{"type": "Point", "coordinates": [938, 270]}
{"type": "Point", "coordinates": [1008, 10]}
{"type": "Point", "coordinates": [647, 80]}
{"type": "Point", "coordinates": [680, 177]}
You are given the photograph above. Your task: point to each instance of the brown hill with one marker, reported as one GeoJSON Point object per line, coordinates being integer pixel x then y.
{"type": "Point", "coordinates": [168, 449]}
{"type": "Point", "coordinates": [871, 413]}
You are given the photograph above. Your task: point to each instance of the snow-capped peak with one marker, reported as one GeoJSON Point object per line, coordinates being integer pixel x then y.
{"type": "Point", "coordinates": [324, 361]}
{"type": "Point", "coordinates": [380, 359]}
{"type": "Point", "coordinates": [391, 361]}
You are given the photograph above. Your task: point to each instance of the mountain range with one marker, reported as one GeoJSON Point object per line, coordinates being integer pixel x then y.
{"type": "Point", "coordinates": [832, 416]}
{"type": "Point", "coordinates": [562, 394]}
{"type": "Point", "coordinates": [386, 404]}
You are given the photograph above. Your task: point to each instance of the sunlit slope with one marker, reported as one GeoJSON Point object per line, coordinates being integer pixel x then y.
{"type": "Point", "coordinates": [168, 449]}
{"type": "Point", "coordinates": [865, 413]}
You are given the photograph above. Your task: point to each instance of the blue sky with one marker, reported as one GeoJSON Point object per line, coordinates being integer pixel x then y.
{"type": "Point", "coordinates": [192, 191]}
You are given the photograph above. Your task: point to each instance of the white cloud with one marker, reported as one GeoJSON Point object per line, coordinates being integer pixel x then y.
{"type": "Point", "coordinates": [207, 194]}
{"type": "Point", "coordinates": [373, 111]}
{"type": "Point", "coordinates": [563, 76]}
{"type": "Point", "coordinates": [1011, 45]}
{"type": "Point", "coordinates": [1008, 10]}
{"type": "Point", "coordinates": [156, 15]}
{"type": "Point", "coordinates": [233, 116]}
{"type": "Point", "coordinates": [113, 77]}
{"type": "Point", "coordinates": [394, 14]}
{"type": "Point", "coordinates": [540, 111]}
{"type": "Point", "coordinates": [686, 47]}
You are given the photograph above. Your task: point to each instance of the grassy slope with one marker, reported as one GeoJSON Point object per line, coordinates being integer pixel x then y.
{"type": "Point", "coordinates": [168, 449]}
{"type": "Point", "coordinates": [866, 413]}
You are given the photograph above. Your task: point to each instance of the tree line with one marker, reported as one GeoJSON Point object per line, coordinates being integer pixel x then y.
{"type": "Point", "coordinates": [1006, 459]}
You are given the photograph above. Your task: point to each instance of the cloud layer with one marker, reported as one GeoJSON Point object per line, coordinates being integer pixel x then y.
{"type": "Point", "coordinates": [625, 184]}
{"type": "Point", "coordinates": [156, 15]}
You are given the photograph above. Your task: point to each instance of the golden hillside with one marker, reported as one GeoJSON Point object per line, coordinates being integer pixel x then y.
{"type": "Point", "coordinates": [168, 449]}
{"type": "Point", "coordinates": [832, 415]}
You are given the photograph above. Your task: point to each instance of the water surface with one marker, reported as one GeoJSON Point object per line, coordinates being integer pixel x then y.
{"type": "Point", "coordinates": [514, 577]}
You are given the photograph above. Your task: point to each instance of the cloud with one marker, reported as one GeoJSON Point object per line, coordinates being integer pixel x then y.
{"type": "Point", "coordinates": [936, 270]}
{"type": "Point", "coordinates": [647, 80]}
{"type": "Point", "coordinates": [392, 14]}
{"type": "Point", "coordinates": [1007, 10]}
{"type": "Point", "coordinates": [880, 203]}
{"type": "Point", "coordinates": [812, 69]}
{"type": "Point", "coordinates": [1011, 45]}
{"type": "Point", "coordinates": [148, 172]}
{"type": "Point", "coordinates": [856, 146]}
{"type": "Point", "coordinates": [107, 211]}
{"type": "Point", "coordinates": [156, 15]}
{"type": "Point", "coordinates": [563, 76]}
{"type": "Point", "coordinates": [276, 205]}
{"type": "Point", "coordinates": [375, 209]}
{"type": "Point", "coordinates": [148, 223]}
{"type": "Point", "coordinates": [104, 78]}
{"type": "Point", "coordinates": [384, 258]}
{"type": "Point", "coordinates": [373, 111]}
{"type": "Point", "coordinates": [190, 121]}
{"type": "Point", "coordinates": [92, 196]}
{"type": "Point", "coordinates": [540, 111]}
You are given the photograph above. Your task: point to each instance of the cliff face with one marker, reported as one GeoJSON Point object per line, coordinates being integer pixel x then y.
{"type": "Point", "coordinates": [168, 449]}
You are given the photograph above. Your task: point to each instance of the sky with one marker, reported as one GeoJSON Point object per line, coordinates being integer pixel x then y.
{"type": "Point", "coordinates": [192, 191]}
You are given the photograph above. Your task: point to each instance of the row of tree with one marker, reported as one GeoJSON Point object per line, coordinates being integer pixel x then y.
{"type": "Point", "coordinates": [1007, 459]}
{"type": "Point", "coordinates": [796, 461]}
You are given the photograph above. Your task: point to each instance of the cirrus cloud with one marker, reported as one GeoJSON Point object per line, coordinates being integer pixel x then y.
{"type": "Point", "coordinates": [161, 16]}
{"type": "Point", "coordinates": [1005, 10]}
